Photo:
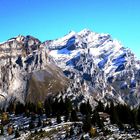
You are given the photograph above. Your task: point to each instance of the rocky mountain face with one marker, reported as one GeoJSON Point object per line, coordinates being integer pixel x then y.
{"type": "Point", "coordinates": [26, 71]}
{"type": "Point", "coordinates": [82, 66]}
{"type": "Point", "coordinates": [99, 65]}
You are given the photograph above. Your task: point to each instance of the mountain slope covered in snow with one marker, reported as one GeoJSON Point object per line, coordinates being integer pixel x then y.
{"type": "Point", "coordinates": [105, 69]}
{"type": "Point", "coordinates": [97, 68]}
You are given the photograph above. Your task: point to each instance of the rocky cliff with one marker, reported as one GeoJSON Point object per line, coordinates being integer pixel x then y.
{"type": "Point", "coordinates": [26, 73]}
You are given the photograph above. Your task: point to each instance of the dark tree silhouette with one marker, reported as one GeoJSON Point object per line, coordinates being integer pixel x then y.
{"type": "Point", "coordinates": [59, 118]}
{"type": "Point", "coordinates": [74, 117]}
{"type": "Point", "coordinates": [87, 124]}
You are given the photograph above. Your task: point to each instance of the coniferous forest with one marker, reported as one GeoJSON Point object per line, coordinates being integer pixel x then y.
{"type": "Point", "coordinates": [53, 107]}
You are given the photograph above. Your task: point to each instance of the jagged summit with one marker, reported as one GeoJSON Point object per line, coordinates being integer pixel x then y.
{"type": "Point", "coordinates": [98, 65]}
{"type": "Point", "coordinates": [98, 59]}
{"type": "Point", "coordinates": [84, 31]}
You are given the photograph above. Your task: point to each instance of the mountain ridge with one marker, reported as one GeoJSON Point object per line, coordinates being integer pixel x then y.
{"type": "Point", "coordinates": [109, 56]}
{"type": "Point", "coordinates": [22, 59]}
{"type": "Point", "coordinates": [96, 63]}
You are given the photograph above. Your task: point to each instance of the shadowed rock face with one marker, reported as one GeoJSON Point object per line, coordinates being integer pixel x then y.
{"type": "Point", "coordinates": [25, 72]}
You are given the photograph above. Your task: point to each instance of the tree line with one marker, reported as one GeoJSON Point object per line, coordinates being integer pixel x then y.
{"type": "Point", "coordinates": [53, 107]}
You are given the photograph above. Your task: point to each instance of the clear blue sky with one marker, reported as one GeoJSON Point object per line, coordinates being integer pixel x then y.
{"type": "Point", "coordinates": [50, 19]}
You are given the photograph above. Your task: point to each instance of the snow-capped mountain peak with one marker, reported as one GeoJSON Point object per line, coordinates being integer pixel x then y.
{"type": "Point", "coordinates": [99, 67]}
{"type": "Point", "coordinates": [84, 31]}
{"type": "Point", "coordinates": [86, 52]}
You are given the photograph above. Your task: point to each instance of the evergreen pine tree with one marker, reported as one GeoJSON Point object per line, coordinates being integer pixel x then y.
{"type": "Point", "coordinates": [1, 129]}
{"type": "Point", "coordinates": [31, 125]}
{"type": "Point", "coordinates": [113, 115]}
{"type": "Point", "coordinates": [82, 138]}
{"type": "Point", "coordinates": [39, 122]}
{"type": "Point", "coordinates": [71, 131]}
{"type": "Point", "coordinates": [87, 124]}
{"type": "Point", "coordinates": [96, 120]}
{"type": "Point", "coordinates": [61, 106]}
{"type": "Point", "coordinates": [31, 107]}
{"type": "Point", "coordinates": [11, 107]}
{"type": "Point", "coordinates": [73, 116]}
{"type": "Point", "coordinates": [134, 119]}
{"type": "Point", "coordinates": [83, 108]}
{"type": "Point", "coordinates": [138, 116]}
{"type": "Point", "coordinates": [100, 107]}
{"type": "Point", "coordinates": [19, 109]}
{"type": "Point", "coordinates": [89, 108]}
{"type": "Point", "coordinates": [35, 131]}
{"type": "Point", "coordinates": [66, 117]}
{"type": "Point", "coordinates": [17, 134]}
{"type": "Point", "coordinates": [59, 118]}
{"type": "Point", "coordinates": [68, 105]}
{"type": "Point", "coordinates": [39, 108]}
{"type": "Point", "coordinates": [55, 107]}
{"type": "Point", "coordinates": [48, 107]}
{"type": "Point", "coordinates": [107, 109]}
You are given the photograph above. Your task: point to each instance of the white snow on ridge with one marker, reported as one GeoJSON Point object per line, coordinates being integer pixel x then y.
{"type": "Point", "coordinates": [98, 60]}
{"type": "Point", "coordinates": [62, 41]}
{"type": "Point", "coordinates": [101, 47]}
